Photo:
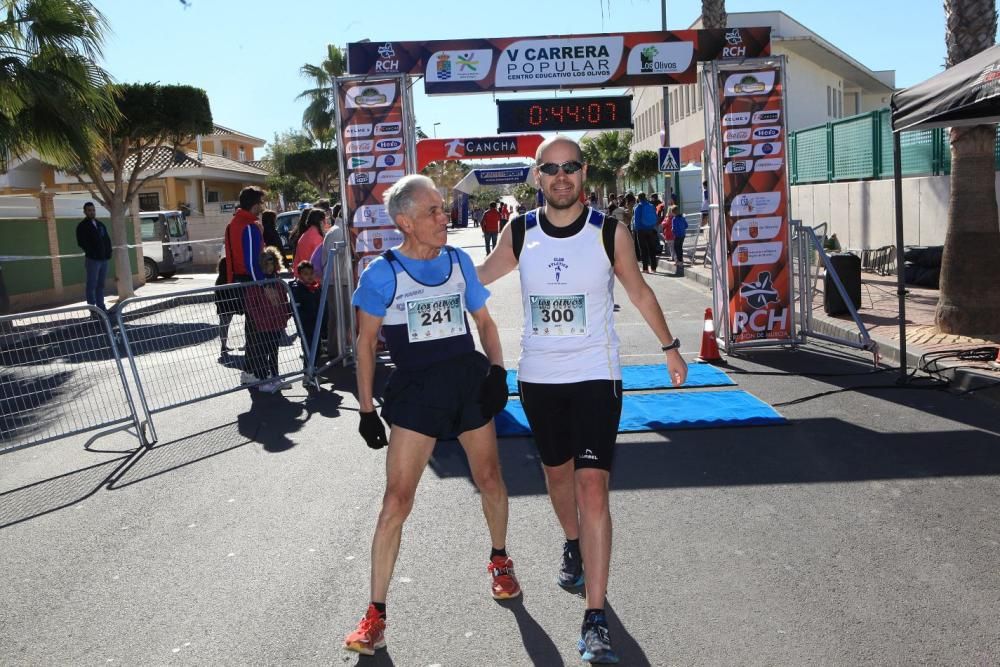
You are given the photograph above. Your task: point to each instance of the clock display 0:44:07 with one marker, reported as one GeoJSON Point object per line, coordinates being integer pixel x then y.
{"type": "Point", "coordinates": [600, 113]}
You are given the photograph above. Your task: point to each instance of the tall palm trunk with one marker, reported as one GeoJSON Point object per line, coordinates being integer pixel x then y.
{"type": "Point", "coordinates": [969, 301]}
{"type": "Point", "coordinates": [713, 13]}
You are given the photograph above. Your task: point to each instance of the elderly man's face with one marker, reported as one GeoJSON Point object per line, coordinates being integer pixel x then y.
{"type": "Point", "coordinates": [427, 220]}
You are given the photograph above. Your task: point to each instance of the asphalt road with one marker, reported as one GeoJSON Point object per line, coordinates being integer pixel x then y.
{"type": "Point", "coordinates": [863, 532]}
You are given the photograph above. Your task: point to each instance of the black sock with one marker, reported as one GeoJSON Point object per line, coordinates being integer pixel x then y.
{"type": "Point", "coordinates": [588, 615]}
{"type": "Point", "coordinates": [502, 553]}
{"type": "Point", "coordinates": [574, 545]}
{"type": "Point", "coordinates": [380, 608]}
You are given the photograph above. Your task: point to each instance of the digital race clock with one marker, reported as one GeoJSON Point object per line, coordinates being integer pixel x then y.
{"type": "Point", "coordinates": [564, 113]}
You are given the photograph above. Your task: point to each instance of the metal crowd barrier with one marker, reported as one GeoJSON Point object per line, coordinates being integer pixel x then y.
{"type": "Point", "coordinates": [173, 343]}
{"type": "Point", "coordinates": [337, 312]}
{"type": "Point", "coordinates": [61, 374]}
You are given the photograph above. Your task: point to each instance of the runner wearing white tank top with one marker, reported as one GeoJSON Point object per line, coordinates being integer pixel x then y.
{"type": "Point", "coordinates": [569, 369]}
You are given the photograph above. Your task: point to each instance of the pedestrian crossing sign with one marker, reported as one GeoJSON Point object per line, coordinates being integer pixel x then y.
{"type": "Point", "coordinates": [670, 158]}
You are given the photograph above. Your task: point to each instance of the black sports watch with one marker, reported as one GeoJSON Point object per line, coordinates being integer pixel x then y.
{"type": "Point", "coordinates": [673, 346]}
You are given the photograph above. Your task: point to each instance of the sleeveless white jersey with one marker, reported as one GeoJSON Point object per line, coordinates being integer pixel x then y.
{"type": "Point", "coordinates": [567, 290]}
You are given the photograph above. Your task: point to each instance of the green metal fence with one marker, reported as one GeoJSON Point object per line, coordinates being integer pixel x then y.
{"type": "Point", "coordinates": [860, 147]}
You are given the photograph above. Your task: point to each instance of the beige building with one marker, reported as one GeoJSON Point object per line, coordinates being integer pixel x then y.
{"type": "Point", "coordinates": [824, 84]}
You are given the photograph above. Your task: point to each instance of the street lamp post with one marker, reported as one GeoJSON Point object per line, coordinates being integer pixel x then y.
{"type": "Point", "coordinates": [668, 178]}
{"type": "Point", "coordinates": [435, 129]}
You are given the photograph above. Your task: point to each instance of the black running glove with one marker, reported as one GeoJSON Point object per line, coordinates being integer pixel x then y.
{"type": "Point", "coordinates": [493, 395]}
{"type": "Point", "coordinates": [372, 430]}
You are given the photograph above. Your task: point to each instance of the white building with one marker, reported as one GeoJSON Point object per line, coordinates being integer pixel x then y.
{"type": "Point", "coordinates": [824, 83]}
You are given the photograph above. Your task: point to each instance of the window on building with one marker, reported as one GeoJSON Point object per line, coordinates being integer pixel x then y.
{"type": "Point", "coordinates": [243, 154]}
{"type": "Point", "coordinates": [829, 101]}
{"type": "Point", "coordinates": [225, 152]}
{"type": "Point", "coordinates": [212, 197]}
{"type": "Point", "coordinates": [149, 201]}
{"type": "Point", "coordinates": [840, 104]}
{"type": "Point", "coordinates": [700, 102]}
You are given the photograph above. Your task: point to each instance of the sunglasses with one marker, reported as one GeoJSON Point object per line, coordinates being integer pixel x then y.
{"type": "Point", "coordinates": [551, 168]}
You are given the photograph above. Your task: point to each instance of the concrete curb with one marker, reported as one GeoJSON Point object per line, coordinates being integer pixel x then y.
{"type": "Point", "coordinates": [982, 382]}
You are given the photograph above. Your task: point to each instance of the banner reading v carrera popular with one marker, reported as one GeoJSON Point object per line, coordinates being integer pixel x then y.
{"type": "Point", "coordinates": [654, 58]}
{"type": "Point", "coordinates": [755, 189]}
{"type": "Point", "coordinates": [372, 139]}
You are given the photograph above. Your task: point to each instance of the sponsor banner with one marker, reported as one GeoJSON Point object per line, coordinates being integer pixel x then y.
{"type": "Point", "coordinates": [739, 134]}
{"type": "Point", "coordinates": [755, 214]}
{"type": "Point", "coordinates": [767, 148]}
{"type": "Point", "coordinates": [756, 229]}
{"type": "Point", "coordinates": [738, 150]}
{"type": "Point", "coordinates": [432, 150]}
{"type": "Point", "coordinates": [377, 240]}
{"type": "Point", "coordinates": [388, 129]}
{"type": "Point", "coordinates": [749, 83]}
{"type": "Point", "coordinates": [371, 215]}
{"type": "Point", "coordinates": [736, 118]}
{"type": "Point", "coordinates": [371, 132]}
{"type": "Point", "coordinates": [358, 131]}
{"type": "Point", "coordinates": [569, 61]}
{"type": "Point", "coordinates": [739, 166]}
{"type": "Point", "coordinates": [766, 117]}
{"type": "Point", "coordinates": [390, 160]}
{"type": "Point", "coordinates": [501, 176]}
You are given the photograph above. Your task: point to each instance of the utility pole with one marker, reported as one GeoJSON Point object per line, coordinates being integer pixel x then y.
{"type": "Point", "coordinates": [668, 178]}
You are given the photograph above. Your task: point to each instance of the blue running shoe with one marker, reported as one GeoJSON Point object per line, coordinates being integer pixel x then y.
{"type": "Point", "coordinates": [571, 569]}
{"type": "Point", "coordinates": [595, 641]}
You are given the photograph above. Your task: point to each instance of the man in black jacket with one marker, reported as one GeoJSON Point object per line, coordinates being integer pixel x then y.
{"type": "Point", "coordinates": [92, 236]}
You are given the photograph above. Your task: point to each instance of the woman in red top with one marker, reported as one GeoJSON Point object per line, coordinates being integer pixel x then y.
{"type": "Point", "coordinates": [309, 238]}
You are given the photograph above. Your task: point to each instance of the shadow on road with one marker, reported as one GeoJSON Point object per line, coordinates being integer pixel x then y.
{"type": "Point", "coordinates": [540, 648]}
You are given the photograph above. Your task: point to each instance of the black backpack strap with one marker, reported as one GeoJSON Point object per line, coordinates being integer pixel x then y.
{"type": "Point", "coordinates": [518, 226]}
{"type": "Point", "coordinates": [609, 225]}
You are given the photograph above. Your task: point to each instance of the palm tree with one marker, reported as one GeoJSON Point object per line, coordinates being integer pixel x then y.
{"type": "Point", "coordinates": [713, 13]}
{"type": "Point", "coordinates": [317, 119]}
{"type": "Point", "coordinates": [969, 302]}
{"type": "Point", "coordinates": [643, 167]}
{"type": "Point", "coordinates": [608, 151]}
{"type": "Point", "coordinates": [52, 92]}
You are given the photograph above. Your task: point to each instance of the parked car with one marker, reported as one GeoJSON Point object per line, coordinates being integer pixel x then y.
{"type": "Point", "coordinates": [163, 243]}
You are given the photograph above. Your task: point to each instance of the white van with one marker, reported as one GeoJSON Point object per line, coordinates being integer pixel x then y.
{"type": "Point", "coordinates": [163, 247]}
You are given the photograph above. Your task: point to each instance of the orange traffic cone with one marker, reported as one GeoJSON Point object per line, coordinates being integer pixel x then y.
{"type": "Point", "coordinates": [709, 347]}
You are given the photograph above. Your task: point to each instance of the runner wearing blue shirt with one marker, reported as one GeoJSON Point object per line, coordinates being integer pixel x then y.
{"type": "Point", "coordinates": [420, 295]}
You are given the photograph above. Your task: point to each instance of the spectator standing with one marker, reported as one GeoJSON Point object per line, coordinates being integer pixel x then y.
{"type": "Point", "coordinates": [667, 230]}
{"type": "Point", "coordinates": [92, 237]}
{"type": "Point", "coordinates": [244, 242]}
{"type": "Point", "coordinates": [679, 226]}
{"type": "Point", "coordinates": [227, 304]}
{"type": "Point", "coordinates": [504, 215]}
{"type": "Point", "coordinates": [269, 233]}
{"type": "Point", "coordinates": [310, 238]}
{"type": "Point", "coordinates": [644, 220]}
{"type": "Point", "coordinates": [306, 293]}
{"type": "Point", "coordinates": [268, 311]}
{"type": "Point", "coordinates": [336, 234]}
{"type": "Point", "coordinates": [491, 226]}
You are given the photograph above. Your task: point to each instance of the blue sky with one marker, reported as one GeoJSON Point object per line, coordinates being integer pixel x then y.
{"type": "Point", "coordinates": [246, 54]}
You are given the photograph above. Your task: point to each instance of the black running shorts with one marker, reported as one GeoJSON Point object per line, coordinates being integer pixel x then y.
{"type": "Point", "coordinates": [442, 400]}
{"type": "Point", "coordinates": [576, 421]}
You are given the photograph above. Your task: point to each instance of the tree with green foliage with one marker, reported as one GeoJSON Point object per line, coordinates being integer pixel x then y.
{"type": "Point", "coordinates": [53, 95]}
{"type": "Point", "coordinates": [154, 122]}
{"type": "Point", "coordinates": [643, 168]}
{"type": "Point", "coordinates": [969, 302]}
{"type": "Point", "coordinates": [320, 167]}
{"type": "Point", "coordinates": [290, 187]}
{"type": "Point", "coordinates": [318, 118]}
{"type": "Point", "coordinates": [608, 151]}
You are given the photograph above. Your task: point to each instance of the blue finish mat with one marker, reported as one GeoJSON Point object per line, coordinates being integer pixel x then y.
{"type": "Point", "coordinates": [654, 376]}
{"type": "Point", "coordinates": [667, 411]}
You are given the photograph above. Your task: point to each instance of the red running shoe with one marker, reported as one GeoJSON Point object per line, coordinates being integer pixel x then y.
{"type": "Point", "coordinates": [504, 582]}
{"type": "Point", "coordinates": [370, 634]}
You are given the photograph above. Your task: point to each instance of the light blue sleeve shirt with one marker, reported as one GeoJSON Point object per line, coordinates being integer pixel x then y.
{"type": "Point", "coordinates": [377, 285]}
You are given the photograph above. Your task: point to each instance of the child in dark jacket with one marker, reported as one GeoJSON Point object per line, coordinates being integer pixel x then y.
{"type": "Point", "coordinates": [268, 311]}
{"type": "Point", "coordinates": [306, 292]}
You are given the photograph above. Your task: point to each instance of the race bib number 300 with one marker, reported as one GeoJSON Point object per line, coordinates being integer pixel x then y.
{"type": "Point", "coordinates": [435, 317]}
{"type": "Point", "coordinates": [559, 315]}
